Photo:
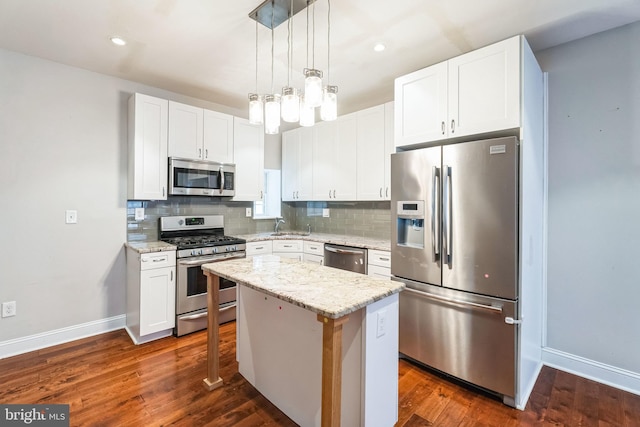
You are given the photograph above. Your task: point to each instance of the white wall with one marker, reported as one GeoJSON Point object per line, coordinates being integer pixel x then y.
{"type": "Point", "coordinates": [63, 145]}
{"type": "Point", "coordinates": [593, 282]}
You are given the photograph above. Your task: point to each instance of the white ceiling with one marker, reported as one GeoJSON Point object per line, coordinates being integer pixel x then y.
{"type": "Point", "coordinates": [206, 48]}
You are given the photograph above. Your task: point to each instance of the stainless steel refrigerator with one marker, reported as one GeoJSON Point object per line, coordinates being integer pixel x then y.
{"type": "Point", "coordinates": [455, 245]}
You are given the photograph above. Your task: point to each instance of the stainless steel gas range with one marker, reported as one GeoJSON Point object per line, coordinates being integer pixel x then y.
{"type": "Point", "coordinates": [199, 240]}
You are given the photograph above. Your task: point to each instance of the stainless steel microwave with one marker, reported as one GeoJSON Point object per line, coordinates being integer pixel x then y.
{"type": "Point", "coordinates": [201, 178]}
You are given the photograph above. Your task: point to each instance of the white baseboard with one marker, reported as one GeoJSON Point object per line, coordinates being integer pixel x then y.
{"type": "Point", "coordinates": [524, 397]}
{"type": "Point", "coordinates": [59, 336]}
{"type": "Point", "coordinates": [596, 371]}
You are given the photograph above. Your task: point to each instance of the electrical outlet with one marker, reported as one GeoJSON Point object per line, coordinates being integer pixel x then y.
{"type": "Point", "coordinates": [71, 217]}
{"type": "Point", "coordinates": [325, 212]}
{"type": "Point", "coordinates": [139, 214]}
{"type": "Point", "coordinates": [8, 309]}
{"type": "Point", "coordinates": [248, 213]}
{"type": "Point", "coordinates": [381, 321]}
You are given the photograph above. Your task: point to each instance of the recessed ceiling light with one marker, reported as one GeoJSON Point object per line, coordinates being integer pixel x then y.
{"type": "Point", "coordinates": [379, 47]}
{"type": "Point", "coordinates": [118, 41]}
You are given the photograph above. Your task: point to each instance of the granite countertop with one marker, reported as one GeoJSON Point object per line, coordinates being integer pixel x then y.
{"type": "Point", "coordinates": [330, 292]}
{"type": "Point", "coordinates": [337, 239]}
{"type": "Point", "coordinates": [146, 247]}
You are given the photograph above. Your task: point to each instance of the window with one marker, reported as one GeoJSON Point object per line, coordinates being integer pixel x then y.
{"type": "Point", "coordinates": [269, 206]}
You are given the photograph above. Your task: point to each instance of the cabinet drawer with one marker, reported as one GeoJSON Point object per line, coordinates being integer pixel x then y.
{"type": "Point", "coordinates": [318, 259]}
{"type": "Point", "coordinates": [152, 260]}
{"type": "Point", "coordinates": [381, 272]}
{"type": "Point", "coordinates": [259, 248]}
{"type": "Point", "coordinates": [287, 246]}
{"type": "Point", "coordinates": [314, 248]}
{"type": "Point", "coordinates": [380, 258]}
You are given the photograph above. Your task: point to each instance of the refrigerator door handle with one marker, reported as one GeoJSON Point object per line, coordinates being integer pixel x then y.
{"type": "Point", "coordinates": [496, 309]}
{"type": "Point", "coordinates": [447, 205]}
{"type": "Point", "coordinates": [435, 208]}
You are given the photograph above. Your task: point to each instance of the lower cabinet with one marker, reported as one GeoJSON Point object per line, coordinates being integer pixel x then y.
{"type": "Point", "coordinates": [151, 295]}
{"type": "Point", "coordinates": [379, 264]}
{"type": "Point", "coordinates": [313, 252]}
{"type": "Point", "coordinates": [288, 248]}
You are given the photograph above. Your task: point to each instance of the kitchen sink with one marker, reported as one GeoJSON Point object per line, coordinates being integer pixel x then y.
{"type": "Point", "coordinates": [290, 233]}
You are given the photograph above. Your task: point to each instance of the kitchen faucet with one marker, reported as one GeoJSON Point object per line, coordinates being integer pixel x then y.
{"type": "Point", "coordinates": [278, 222]}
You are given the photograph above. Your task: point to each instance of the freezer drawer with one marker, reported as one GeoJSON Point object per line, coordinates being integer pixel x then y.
{"type": "Point", "coordinates": [460, 334]}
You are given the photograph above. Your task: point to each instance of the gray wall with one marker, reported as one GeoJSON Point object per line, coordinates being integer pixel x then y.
{"type": "Point", "coordinates": [594, 197]}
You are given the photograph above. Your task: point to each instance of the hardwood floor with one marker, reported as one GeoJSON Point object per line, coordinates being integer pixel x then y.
{"type": "Point", "coordinates": [108, 381]}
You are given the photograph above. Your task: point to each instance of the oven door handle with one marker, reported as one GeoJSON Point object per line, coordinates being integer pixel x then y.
{"type": "Point", "coordinates": [213, 259]}
{"type": "Point", "coordinates": [195, 316]}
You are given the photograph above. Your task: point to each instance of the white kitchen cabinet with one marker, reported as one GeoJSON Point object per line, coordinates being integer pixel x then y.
{"type": "Point", "coordinates": [313, 252]}
{"type": "Point", "coordinates": [379, 263]}
{"type": "Point", "coordinates": [263, 247]}
{"type": "Point", "coordinates": [199, 134]}
{"type": "Point", "coordinates": [151, 293]}
{"type": "Point", "coordinates": [288, 248]}
{"type": "Point", "coordinates": [297, 164]}
{"type": "Point", "coordinates": [217, 137]}
{"type": "Point", "coordinates": [374, 148]}
{"type": "Point", "coordinates": [474, 93]}
{"type": "Point", "coordinates": [185, 131]}
{"type": "Point", "coordinates": [147, 134]}
{"type": "Point", "coordinates": [248, 153]}
{"type": "Point", "coordinates": [334, 159]}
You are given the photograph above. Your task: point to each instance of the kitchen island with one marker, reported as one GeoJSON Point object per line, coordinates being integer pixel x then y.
{"type": "Point", "coordinates": [319, 343]}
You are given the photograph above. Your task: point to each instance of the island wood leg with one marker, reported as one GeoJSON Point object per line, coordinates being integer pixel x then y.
{"type": "Point", "coordinates": [213, 379]}
{"type": "Point", "coordinates": [331, 370]}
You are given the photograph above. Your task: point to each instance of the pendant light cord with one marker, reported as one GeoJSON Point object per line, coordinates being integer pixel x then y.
{"type": "Point", "coordinates": [256, 56]}
{"type": "Point", "coordinates": [328, 41]}
{"type": "Point", "coordinates": [289, 42]}
{"type": "Point", "coordinates": [272, 7]}
{"type": "Point", "coordinates": [313, 38]}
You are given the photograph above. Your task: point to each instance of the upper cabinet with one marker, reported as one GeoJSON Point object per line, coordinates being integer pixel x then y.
{"type": "Point", "coordinates": [297, 164]}
{"type": "Point", "coordinates": [248, 147]}
{"type": "Point", "coordinates": [147, 134]}
{"type": "Point", "coordinates": [374, 148]}
{"type": "Point", "coordinates": [195, 133]}
{"type": "Point", "coordinates": [474, 93]}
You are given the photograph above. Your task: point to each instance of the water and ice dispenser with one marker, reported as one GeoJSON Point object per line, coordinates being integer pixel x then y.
{"type": "Point", "coordinates": [410, 223]}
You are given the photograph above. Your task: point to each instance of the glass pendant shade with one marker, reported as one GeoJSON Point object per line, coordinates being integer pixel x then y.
{"type": "Point", "coordinates": [271, 114]}
{"type": "Point", "coordinates": [312, 87]}
{"type": "Point", "coordinates": [307, 114]}
{"type": "Point", "coordinates": [290, 105]}
{"type": "Point", "coordinates": [256, 111]}
{"type": "Point", "coordinates": [329, 107]}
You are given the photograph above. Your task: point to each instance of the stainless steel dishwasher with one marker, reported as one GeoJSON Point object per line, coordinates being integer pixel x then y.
{"type": "Point", "coordinates": [345, 258]}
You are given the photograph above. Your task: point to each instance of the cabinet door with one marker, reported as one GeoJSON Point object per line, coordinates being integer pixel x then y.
{"type": "Point", "coordinates": [185, 131]}
{"type": "Point", "coordinates": [290, 147]}
{"type": "Point", "coordinates": [344, 158]}
{"type": "Point", "coordinates": [157, 300]}
{"type": "Point", "coordinates": [324, 139]}
{"type": "Point", "coordinates": [148, 167]}
{"type": "Point", "coordinates": [248, 152]}
{"type": "Point", "coordinates": [484, 89]}
{"type": "Point", "coordinates": [305, 164]}
{"type": "Point", "coordinates": [370, 164]}
{"type": "Point", "coordinates": [218, 137]}
{"type": "Point", "coordinates": [389, 147]}
{"type": "Point", "coordinates": [421, 106]}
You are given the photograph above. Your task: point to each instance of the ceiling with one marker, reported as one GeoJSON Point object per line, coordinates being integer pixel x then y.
{"type": "Point", "coordinates": [206, 48]}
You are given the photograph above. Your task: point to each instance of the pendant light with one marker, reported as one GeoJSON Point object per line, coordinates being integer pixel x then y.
{"type": "Point", "coordinates": [307, 113]}
{"type": "Point", "coordinates": [256, 113]}
{"type": "Point", "coordinates": [313, 77]}
{"type": "Point", "coordinates": [329, 107]}
{"type": "Point", "coordinates": [290, 96]}
{"type": "Point", "coordinates": [272, 101]}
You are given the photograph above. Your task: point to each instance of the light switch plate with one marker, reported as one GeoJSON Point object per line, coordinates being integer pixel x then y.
{"type": "Point", "coordinates": [71, 217]}
{"type": "Point", "coordinates": [139, 214]}
{"type": "Point", "coordinates": [248, 213]}
{"type": "Point", "coordinates": [325, 212]}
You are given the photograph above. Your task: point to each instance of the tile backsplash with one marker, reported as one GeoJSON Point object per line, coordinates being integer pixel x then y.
{"type": "Point", "coordinates": [367, 219]}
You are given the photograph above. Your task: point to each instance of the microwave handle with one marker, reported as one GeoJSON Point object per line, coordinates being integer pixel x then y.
{"type": "Point", "coordinates": [221, 175]}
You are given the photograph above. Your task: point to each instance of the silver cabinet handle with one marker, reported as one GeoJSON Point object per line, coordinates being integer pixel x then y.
{"type": "Point", "coordinates": [172, 275]}
{"type": "Point", "coordinates": [442, 127]}
{"type": "Point", "coordinates": [380, 192]}
{"type": "Point", "coordinates": [199, 153]}
{"type": "Point", "coordinates": [329, 193]}
{"type": "Point", "coordinates": [293, 194]}
{"type": "Point", "coordinates": [383, 259]}
{"type": "Point", "coordinates": [496, 309]}
{"type": "Point", "coordinates": [334, 194]}
{"type": "Point", "coordinates": [162, 191]}
{"type": "Point", "coordinates": [159, 259]}
{"type": "Point", "coordinates": [453, 126]}
{"type": "Point", "coordinates": [386, 192]}
{"type": "Point", "coordinates": [206, 153]}
{"type": "Point", "coordinates": [259, 248]}
{"type": "Point", "coordinates": [260, 194]}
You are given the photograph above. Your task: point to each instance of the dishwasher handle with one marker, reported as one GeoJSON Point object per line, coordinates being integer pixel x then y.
{"type": "Point", "coordinates": [343, 251]}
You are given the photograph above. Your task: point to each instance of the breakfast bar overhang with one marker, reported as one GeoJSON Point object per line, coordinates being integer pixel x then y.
{"type": "Point", "coordinates": [320, 343]}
